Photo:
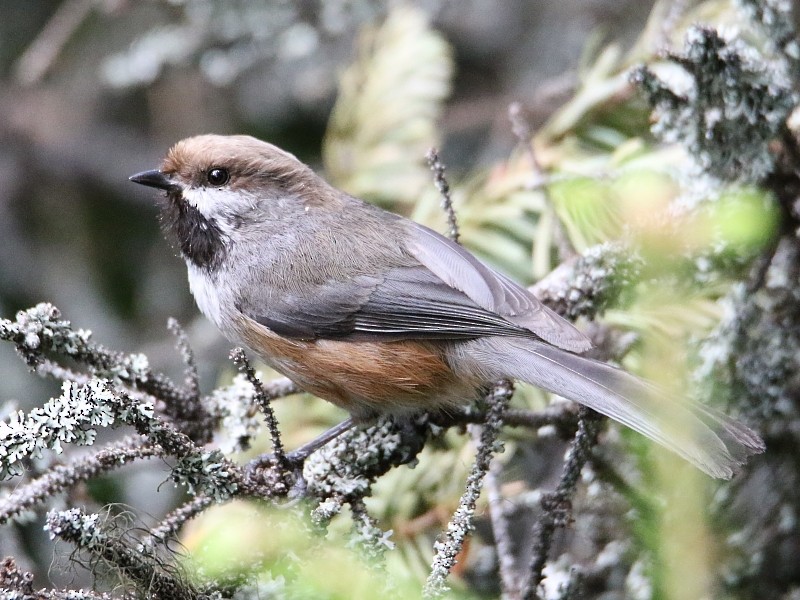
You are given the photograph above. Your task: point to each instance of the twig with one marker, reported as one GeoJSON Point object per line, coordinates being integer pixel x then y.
{"type": "Point", "coordinates": [172, 523]}
{"type": "Point", "coordinates": [486, 437]}
{"type": "Point", "coordinates": [440, 181]}
{"type": "Point", "coordinates": [372, 539]}
{"type": "Point", "coordinates": [279, 388]}
{"type": "Point", "coordinates": [447, 549]}
{"type": "Point", "coordinates": [524, 135]}
{"type": "Point", "coordinates": [201, 471]}
{"type": "Point", "coordinates": [563, 416]}
{"type": "Point", "coordinates": [52, 369]}
{"type": "Point", "coordinates": [263, 401]}
{"type": "Point", "coordinates": [509, 578]}
{"type": "Point", "coordinates": [192, 378]}
{"type": "Point", "coordinates": [557, 505]}
{"type": "Point", "coordinates": [37, 59]}
{"type": "Point", "coordinates": [189, 414]}
{"type": "Point", "coordinates": [62, 477]}
{"type": "Point", "coordinates": [86, 532]}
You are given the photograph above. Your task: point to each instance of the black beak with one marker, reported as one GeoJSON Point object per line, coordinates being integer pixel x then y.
{"type": "Point", "coordinates": [155, 178]}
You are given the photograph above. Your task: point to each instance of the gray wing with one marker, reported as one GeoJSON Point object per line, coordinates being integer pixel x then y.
{"type": "Point", "coordinates": [405, 303]}
{"type": "Point", "coordinates": [491, 290]}
{"type": "Point", "coordinates": [448, 294]}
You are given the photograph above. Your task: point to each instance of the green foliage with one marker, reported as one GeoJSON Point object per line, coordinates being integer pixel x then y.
{"type": "Point", "coordinates": [291, 561]}
{"type": "Point", "coordinates": [385, 116]}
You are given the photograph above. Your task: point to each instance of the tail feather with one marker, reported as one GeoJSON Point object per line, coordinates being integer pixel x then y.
{"type": "Point", "coordinates": [713, 442]}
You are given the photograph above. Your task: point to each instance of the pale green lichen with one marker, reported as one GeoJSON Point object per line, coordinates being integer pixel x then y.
{"type": "Point", "coordinates": [736, 103]}
{"type": "Point", "coordinates": [41, 330]}
{"type": "Point", "coordinates": [239, 418]}
{"type": "Point", "coordinates": [205, 473]}
{"type": "Point", "coordinates": [76, 525]}
{"type": "Point", "coordinates": [74, 418]}
{"type": "Point", "coordinates": [345, 466]}
{"type": "Point", "coordinates": [71, 418]}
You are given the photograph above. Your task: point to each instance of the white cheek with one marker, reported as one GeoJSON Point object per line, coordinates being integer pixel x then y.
{"type": "Point", "coordinates": [207, 200]}
{"type": "Point", "coordinates": [205, 294]}
{"type": "Point", "coordinates": [218, 205]}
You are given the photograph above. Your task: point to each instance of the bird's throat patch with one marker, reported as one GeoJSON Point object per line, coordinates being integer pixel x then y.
{"type": "Point", "coordinates": [199, 238]}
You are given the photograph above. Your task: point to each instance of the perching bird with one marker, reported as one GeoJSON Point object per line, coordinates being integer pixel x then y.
{"type": "Point", "coordinates": [381, 315]}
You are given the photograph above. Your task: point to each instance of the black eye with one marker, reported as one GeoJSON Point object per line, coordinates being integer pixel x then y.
{"type": "Point", "coordinates": [218, 176]}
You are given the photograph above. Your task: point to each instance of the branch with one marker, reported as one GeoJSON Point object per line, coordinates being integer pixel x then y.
{"type": "Point", "coordinates": [236, 411]}
{"type": "Point", "coordinates": [509, 580]}
{"type": "Point", "coordinates": [86, 533]}
{"type": "Point", "coordinates": [439, 179]}
{"type": "Point", "coordinates": [192, 383]}
{"type": "Point", "coordinates": [558, 505]}
{"type": "Point", "coordinates": [346, 467]}
{"type": "Point", "coordinates": [586, 285]}
{"type": "Point", "coordinates": [62, 477]}
{"type": "Point", "coordinates": [18, 585]}
{"type": "Point", "coordinates": [522, 130]}
{"type": "Point", "coordinates": [74, 418]}
{"type": "Point", "coordinates": [40, 330]}
{"type": "Point", "coordinates": [373, 541]}
{"type": "Point", "coordinates": [563, 416]}
{"type": "Point", "coordinates": [189, 414]}
{"type": "Point", "coordinates": [262, 399]}
{"type": "Point", "coordinates": [447, 550]}
{"type": "Point", "coordinates": [172, 523]}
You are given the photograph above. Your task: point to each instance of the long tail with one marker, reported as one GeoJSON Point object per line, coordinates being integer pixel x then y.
{"type": "Point", "coordinates": [713, 442]}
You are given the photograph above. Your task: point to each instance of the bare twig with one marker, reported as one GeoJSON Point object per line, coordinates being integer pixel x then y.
{"type": "Point", "coordinates": [439, 179]}
{"type": "Point", "coordinates": [192, 378]}
{"type": "Point", "coordinates": [522, 131]}
{"type": "Point", "coordinates": [189, 414]}
{"type": "Point", "coordinates": [562, 416]}
{"type": "Point", "coordinates": [558, 505]}
{"type": "Point", "coordinates": [509, 578]}
{"type": "Point", "coordinates": [172, 523]}
{"type": "Point", "coordinates": [37, 59]}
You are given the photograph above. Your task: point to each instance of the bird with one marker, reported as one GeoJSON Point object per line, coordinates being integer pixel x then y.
{"type": "Point", "coordinates": [381, 315]}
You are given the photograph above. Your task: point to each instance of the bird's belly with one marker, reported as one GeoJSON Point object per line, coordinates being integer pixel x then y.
{"type": "Point", "coordinates": [205, 293]}
{"type": "Point", "coordinates": [364, 378]}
